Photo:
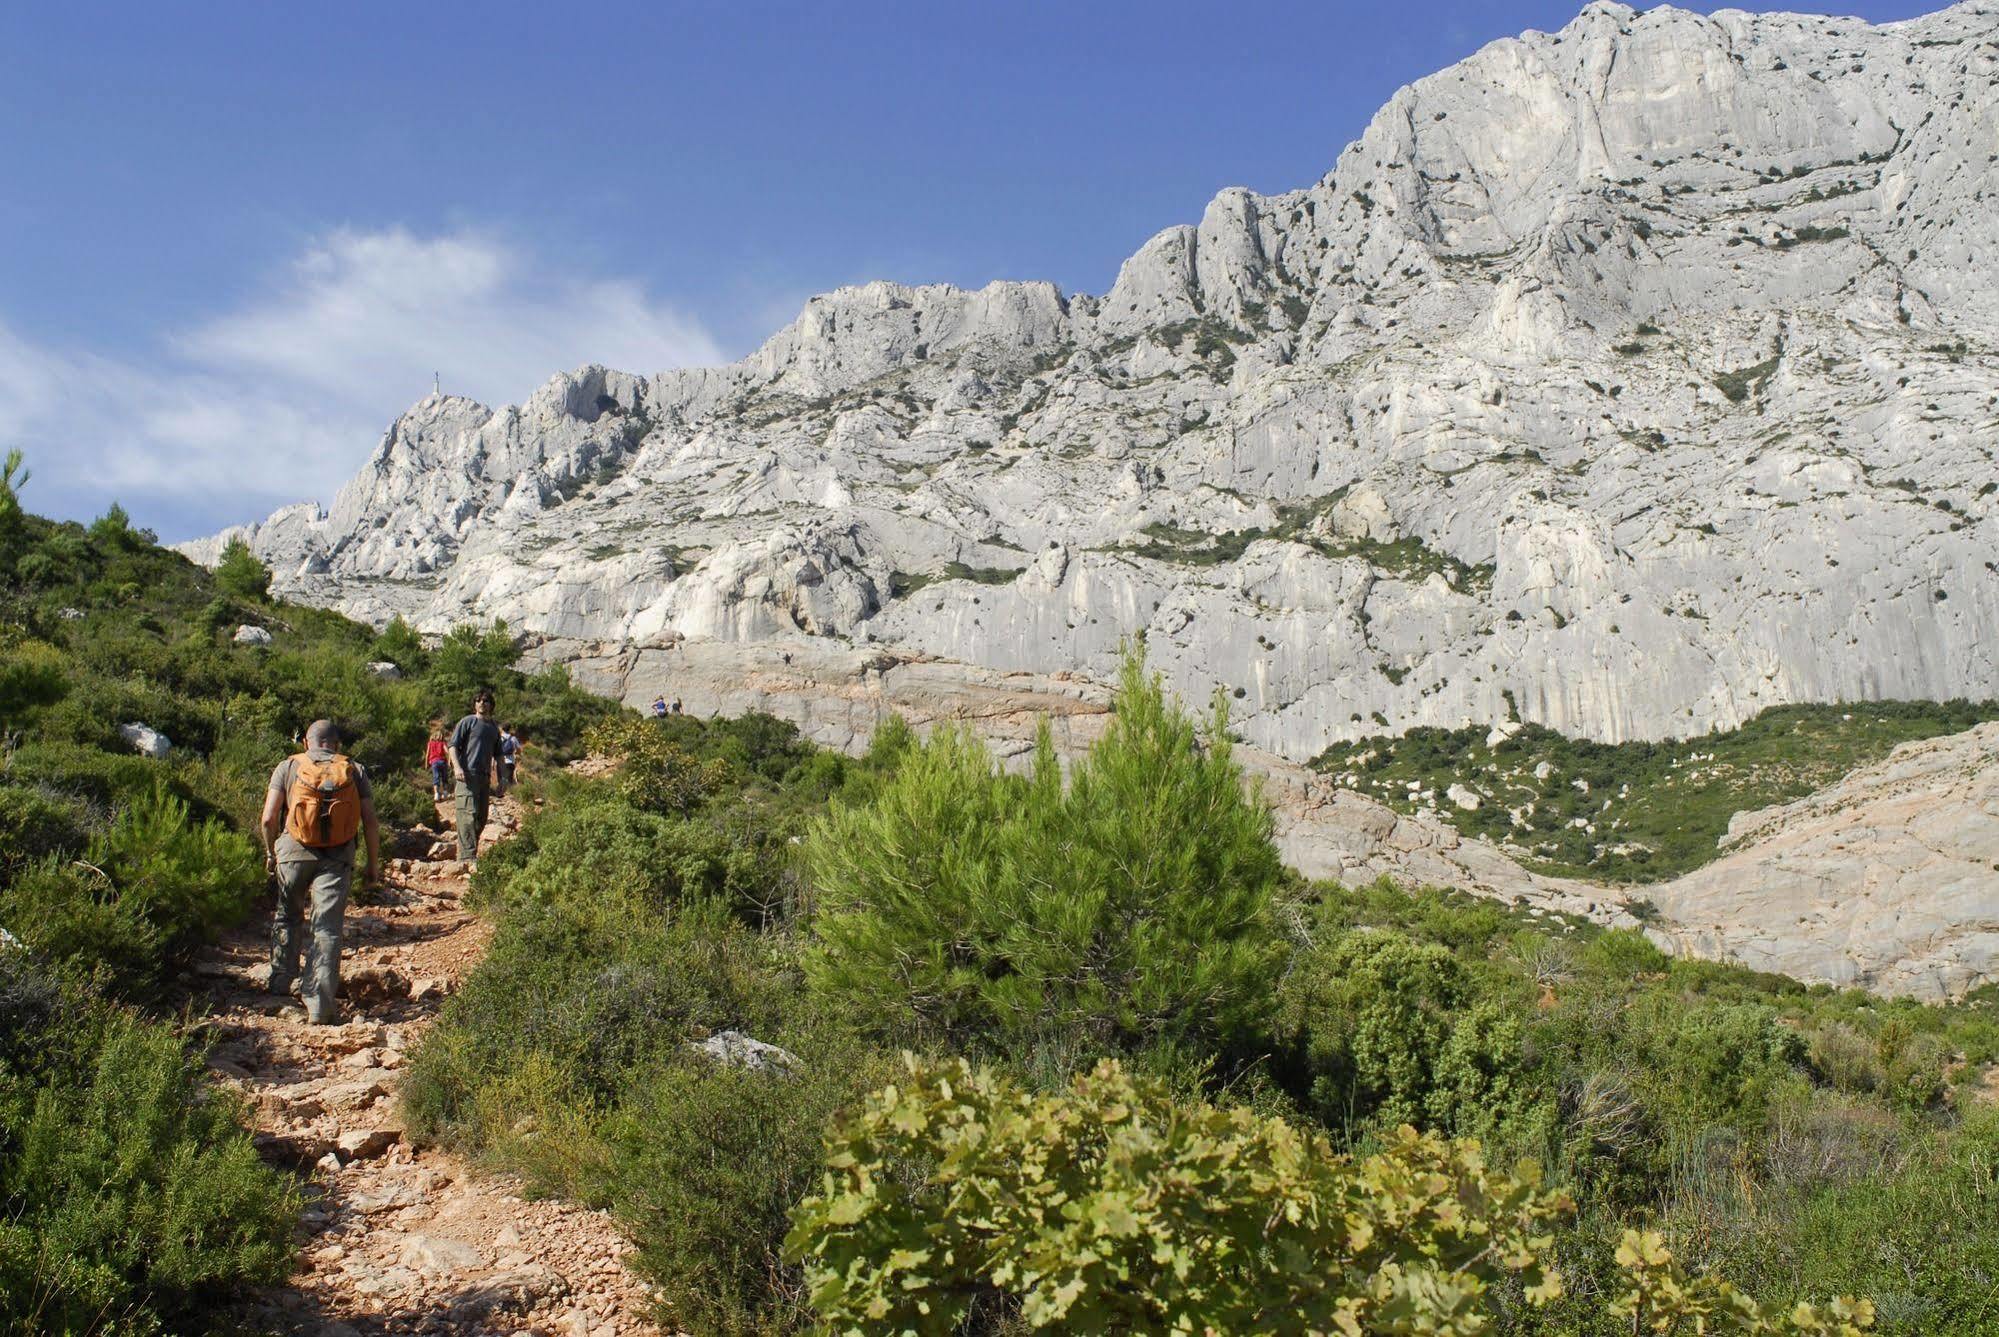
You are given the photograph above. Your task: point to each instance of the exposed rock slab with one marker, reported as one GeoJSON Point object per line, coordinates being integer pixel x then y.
{"type": "Point", "coordinates": [1888, 879]}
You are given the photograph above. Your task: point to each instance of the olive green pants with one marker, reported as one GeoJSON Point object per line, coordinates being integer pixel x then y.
{"type": "Point", "coordinates": [473, 801]}
{"type": "Point", "coordinates": [310, 915]}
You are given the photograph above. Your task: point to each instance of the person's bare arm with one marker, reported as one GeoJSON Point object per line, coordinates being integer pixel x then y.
{"type": "Point", "coordinates": [273, 822]}
{"type": "Point", "coordinates": [372, 830]}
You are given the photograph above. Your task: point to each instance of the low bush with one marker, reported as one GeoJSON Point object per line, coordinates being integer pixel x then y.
{"type": "Point", "coordinates": [707, 1162]}
{"type": "Point", "coordinates": [953, 1198]}
{"type": "Point", "coordinates": [35, 824]}
{"type": "Point", "coordinates": [130, 1196]}
{"type": "Point", "coordinates": [571, 1001]}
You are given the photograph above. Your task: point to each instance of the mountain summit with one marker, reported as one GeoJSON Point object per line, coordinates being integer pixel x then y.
{"type": "Point", "coordinates": [1627, 379]}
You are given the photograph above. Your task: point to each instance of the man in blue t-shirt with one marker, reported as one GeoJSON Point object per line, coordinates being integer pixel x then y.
{"type": "Point", "coordinates": [475, 760]}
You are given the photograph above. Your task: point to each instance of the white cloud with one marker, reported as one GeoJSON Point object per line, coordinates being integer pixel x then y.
{"type": "Point", "coordinates": [282, 399]}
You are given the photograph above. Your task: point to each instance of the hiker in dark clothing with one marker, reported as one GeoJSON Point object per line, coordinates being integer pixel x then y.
{"type": "Point", "coordinates": [475, 760]}
{"type": "Point", "coordinates": [314, 806]}
{"type": "Point", "coordinates": [510, 753]}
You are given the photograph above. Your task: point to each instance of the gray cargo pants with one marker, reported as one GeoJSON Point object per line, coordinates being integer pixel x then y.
{"type": "Point", "coordinates": [473, 800]}
{"type": "Point", "coordinates": [315, 888]}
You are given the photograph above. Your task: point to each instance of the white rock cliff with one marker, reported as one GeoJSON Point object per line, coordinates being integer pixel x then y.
{"type": "Point", "coordinates": [1628, 379]}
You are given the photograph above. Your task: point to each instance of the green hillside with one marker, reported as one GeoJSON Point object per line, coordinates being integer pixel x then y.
{"type": "Point", "coordinates": [1632, 812]}
{"type": "Point", "coordinates": [130, 1197]}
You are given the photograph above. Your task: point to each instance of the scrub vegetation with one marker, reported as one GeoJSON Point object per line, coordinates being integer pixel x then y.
{"type": "Point", "coordinates": [131, 1198]}
{"type": "Point", "coordinates": [1068, 1047]}
{"type": "Point", "coordinates": [1633, 812]}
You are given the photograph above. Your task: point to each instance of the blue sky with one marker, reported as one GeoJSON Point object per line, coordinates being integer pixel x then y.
{"type": "Point", "coordinates": [236, 239]}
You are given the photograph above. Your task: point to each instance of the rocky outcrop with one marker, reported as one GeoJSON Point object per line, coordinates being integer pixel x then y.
{"type": "Point", "coordinates": [1641, 373]}
{"type": "Point", "coordinates": [1888, 879]}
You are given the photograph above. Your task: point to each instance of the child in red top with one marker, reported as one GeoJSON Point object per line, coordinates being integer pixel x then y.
{"type": "Point", "coordinates": [440, 766]}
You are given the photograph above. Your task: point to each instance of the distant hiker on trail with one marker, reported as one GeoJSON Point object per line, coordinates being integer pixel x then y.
{"type": "Point", "coordinates": [510, 753]}
{"type": "Point", "coordinates": [659, 707]}
{"type": "Point", "coordinates": [314, 806]}
{"type": "Point", "coordinates": [676, 705]}
{"type": "Point", "coordinates": [475, 760]}
{"type": "Point", "coordinates": [440, 765]}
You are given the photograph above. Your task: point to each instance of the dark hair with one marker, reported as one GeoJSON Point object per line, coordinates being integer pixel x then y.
{"type": "Point", "coordinates": [508, 727]}
{"type": "Point", "coordinates": [483, 694]}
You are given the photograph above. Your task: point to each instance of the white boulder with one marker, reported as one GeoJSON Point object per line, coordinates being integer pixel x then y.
{"type": "Point", "coordinates": [145, 740]}
{"type": "Point", "coordinates": [736, 1050]}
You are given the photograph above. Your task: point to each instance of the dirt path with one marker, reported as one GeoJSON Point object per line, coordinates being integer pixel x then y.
{"type": "Point", "coordinates": [397, 1239]}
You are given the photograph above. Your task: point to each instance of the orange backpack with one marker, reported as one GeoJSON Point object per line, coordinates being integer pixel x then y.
{"type": "Point", "coordinates": [323, 809]}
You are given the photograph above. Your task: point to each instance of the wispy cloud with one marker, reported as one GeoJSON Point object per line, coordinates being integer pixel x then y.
{"type": "Point", "coordinates": [282, 398]}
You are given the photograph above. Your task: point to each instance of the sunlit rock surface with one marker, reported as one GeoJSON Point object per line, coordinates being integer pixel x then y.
{"type": "Point", "coordinates": [1628, 379]}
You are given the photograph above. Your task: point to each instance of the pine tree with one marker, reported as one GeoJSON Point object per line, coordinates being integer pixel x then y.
{"type": "Point", "coordinates": [1128, 906]}
{"type": "Point", "coordinates": [240, 573]}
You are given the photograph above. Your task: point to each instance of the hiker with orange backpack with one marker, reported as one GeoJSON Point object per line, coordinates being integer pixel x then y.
{"type": "Point", "coordinates": [315, 805]}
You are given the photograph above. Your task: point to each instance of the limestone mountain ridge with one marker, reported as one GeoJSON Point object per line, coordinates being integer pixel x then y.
{"type": "Point", "coordinates": [1629, 379]}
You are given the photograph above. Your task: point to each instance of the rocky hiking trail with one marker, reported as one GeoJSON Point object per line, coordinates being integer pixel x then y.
{"type": "Point", "coordinates": [398, 1238]}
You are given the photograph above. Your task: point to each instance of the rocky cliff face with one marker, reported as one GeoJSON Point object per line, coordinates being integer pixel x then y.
{"type": "Point", "coordinates": [1634, 377]}
{"type": "Point", "coordinates": [1627, 379]}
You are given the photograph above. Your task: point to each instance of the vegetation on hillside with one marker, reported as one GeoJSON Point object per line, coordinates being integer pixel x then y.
{"type": "Point", "coordinates": [1632, 812]}
{"type": "Point", "coordinates": [989, 984]}
{"type": "Point", "coordinates": [1692, 1121]}
{"type": "Point", "coordinates": [131, 1199]}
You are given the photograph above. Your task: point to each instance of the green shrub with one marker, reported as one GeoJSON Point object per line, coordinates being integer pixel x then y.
{"type": "Point", "coordinates": [32, 675]}
{"type": "Point", "coordinates": [73, 914]}
{"type": "Point", "coordinates": [1131, 906]}
{"type": "Point", "coordinates": [400, 645]}
{"type": "Point", "coordinates": [585, 848]}
{"type": "Point", "coordinates": [150, 887]}
{"type": "Point", "coordinates": [1112, 1208]}
{"type": "Point", "coordinates": [191, 878]}
{"type": "Point", "coordinates": [655, 774]}
{"type": "Point", "coordinates": [953, 1196]}
{"type": "Point", "coordinates": [240, 573]}
{"type": "Point", "coordinates": [1385, 1031]}
{"type": "Point", "coordinates": [571, 1001]}
{"type": "Point", "coordinates": [707, 1163]}
{"type": "Point", "coordinates": [129, 1193]}
{"type": "Point", "coordinates": [103, 779]}
{"type": "Point", "coordinates": [35, 824]}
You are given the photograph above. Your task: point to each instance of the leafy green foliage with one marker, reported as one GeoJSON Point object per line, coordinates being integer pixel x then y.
{"type": "Point", "coordinates": [400, 645]}
{"type": "Point", "coordinates": [128, 1192]}
{"type": "Point", "coordinates": [1112, 1207]}
{"type": "Point", "coordinates": [31, 676]}
{"type": "Point", "coordinates": [1648, 810]}
{"type": "Point", "coordinates": [1661, 1299]}
{"type": "Point", "coordinates": [1129, 907]}
{"type": "Point", "coordinates": [1390, 1030]}
{"type": "Point", "coordinates": [35, 824]}
{"type": "Point", "coordinates": [654, 773]}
